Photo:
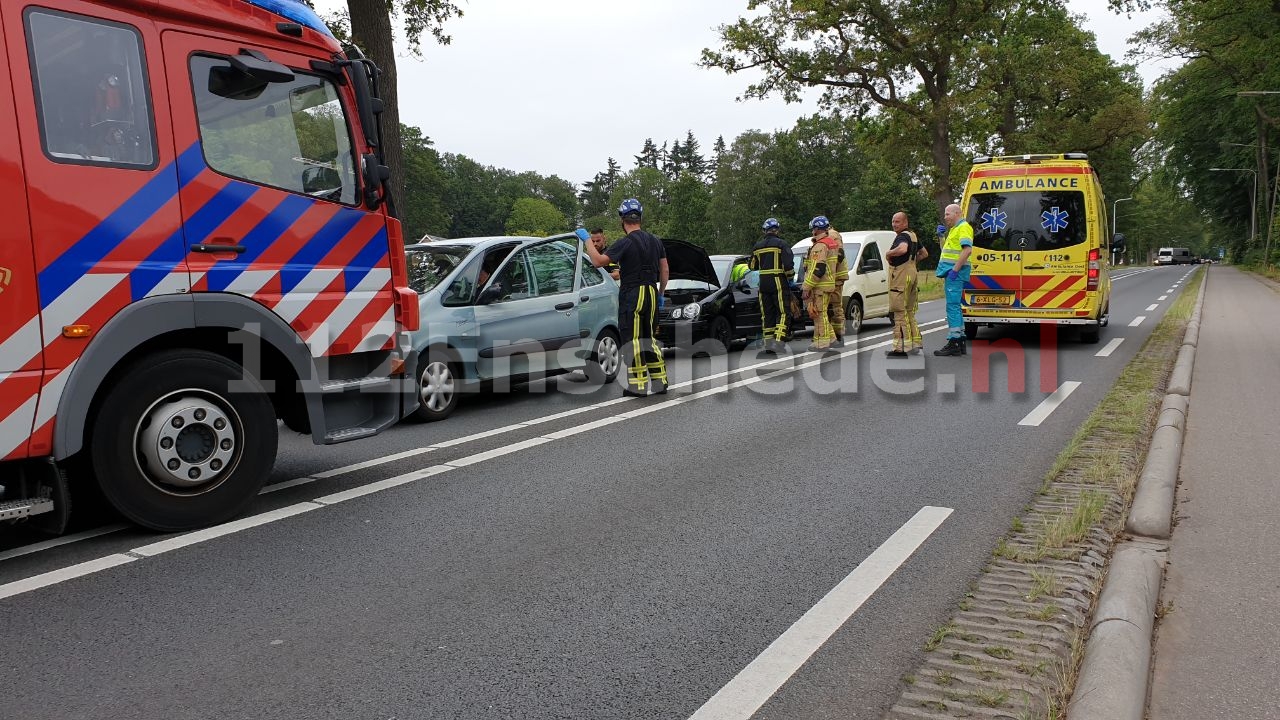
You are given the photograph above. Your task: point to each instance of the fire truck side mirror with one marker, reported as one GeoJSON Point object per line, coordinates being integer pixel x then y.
{"type": "Point", "coordinates": [376, 176]}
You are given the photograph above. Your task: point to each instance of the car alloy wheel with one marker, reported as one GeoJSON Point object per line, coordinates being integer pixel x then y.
{"type": "Point", "coordinates": [608, 356]}
{"type": "Point", "coordinates": [853, 316]}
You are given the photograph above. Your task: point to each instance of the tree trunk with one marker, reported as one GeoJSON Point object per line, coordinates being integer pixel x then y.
{"type": "Point", "coordinates": [371, 32]}
{"type": "Point", "coordinates": [940, 151]}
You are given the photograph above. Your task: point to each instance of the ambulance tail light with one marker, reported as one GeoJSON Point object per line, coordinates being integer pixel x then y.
{"type": "Point", "coordinates": [1095, 256]}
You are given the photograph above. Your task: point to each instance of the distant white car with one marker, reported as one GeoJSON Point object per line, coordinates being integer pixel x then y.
{"type": "Point", "coordinates": [866, 294]}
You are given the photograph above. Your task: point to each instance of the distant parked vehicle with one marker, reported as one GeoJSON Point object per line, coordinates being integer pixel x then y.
{"type": "Point", "coordinates": [1174, 256]}
{"type": "Point", "coordinates": [504, 308]}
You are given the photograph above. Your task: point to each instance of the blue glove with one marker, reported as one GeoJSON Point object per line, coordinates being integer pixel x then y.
{"type": "Point", "coordinates": [582, 234]}
{"type": "Point", "coordinates": [942, 230]}
{"type": "Point", "coordinates": [953, 275]}
{"type": "Point", "coordinates": [662, 301]}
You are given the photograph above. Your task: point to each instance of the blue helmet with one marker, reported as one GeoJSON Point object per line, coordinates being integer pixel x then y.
{"type": "Point", "coordinates": [771, 224]}
{"type": "Point", "coordinates": [630, 206]}
{"type": "Point", "coordinates": [819, 223]}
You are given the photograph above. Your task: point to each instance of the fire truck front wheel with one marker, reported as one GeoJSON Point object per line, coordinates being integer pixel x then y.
{"type": "Point", "coordinates": [183, 439]}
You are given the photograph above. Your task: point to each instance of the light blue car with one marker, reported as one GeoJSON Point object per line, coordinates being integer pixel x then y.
{"type": "Point", "coordinates": [501, 310]}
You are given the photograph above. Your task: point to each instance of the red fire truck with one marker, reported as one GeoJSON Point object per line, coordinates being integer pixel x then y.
{"type": "Point", "coordinates": [196, 243]}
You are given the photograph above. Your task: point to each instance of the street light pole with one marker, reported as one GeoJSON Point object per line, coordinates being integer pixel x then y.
{"type": "Point", "coordinates": [1113, 226]}
{"type": "Point", "coordinates": [1253, 199]}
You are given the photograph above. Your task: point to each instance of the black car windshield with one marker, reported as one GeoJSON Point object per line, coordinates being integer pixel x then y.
{"type": "Point", "coordinates": [1028, 220]}
{"type": "Point", "coordinates": [429, 266]}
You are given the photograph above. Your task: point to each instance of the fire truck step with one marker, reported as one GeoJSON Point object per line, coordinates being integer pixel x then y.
{"type": "Point", "coordinates": [346, 434]}
{"type": "Point", "coordinates": [14, 509]}
{"type": "Point", "coordinates": [357, 385]}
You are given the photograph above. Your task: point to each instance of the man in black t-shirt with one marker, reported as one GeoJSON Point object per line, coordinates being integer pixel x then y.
{"type": "Point", "coordinates": [643, 274]}
{"type": "Point", "coordinates": [903, 255]}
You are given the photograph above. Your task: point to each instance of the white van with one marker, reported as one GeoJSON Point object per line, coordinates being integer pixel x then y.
{"type": "Point", "coordinates": [866, 294]}
{"type": "Point", "coordinates": [1174, 256]}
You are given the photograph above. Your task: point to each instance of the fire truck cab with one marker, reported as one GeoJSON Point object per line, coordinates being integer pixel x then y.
{"type": "Point", "coordinates": [197, 243]}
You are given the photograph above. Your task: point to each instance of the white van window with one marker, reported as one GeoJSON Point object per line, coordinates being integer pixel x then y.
{"type": "Point", "coordinates": [1028, 220]}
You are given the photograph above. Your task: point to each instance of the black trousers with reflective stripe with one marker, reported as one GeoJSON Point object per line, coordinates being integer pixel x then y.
{"type": "Point", "coordinates": [637, 311]}
{"type": "Point", "coordinates": [773, 307]}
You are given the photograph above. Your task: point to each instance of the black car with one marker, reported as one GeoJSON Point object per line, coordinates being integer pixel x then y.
{"type": "Point", "coordinates": [709, 297]}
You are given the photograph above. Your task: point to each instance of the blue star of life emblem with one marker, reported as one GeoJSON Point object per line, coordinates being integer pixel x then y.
{"type": "Point", "coordinates": [1053, 220]}
{"type": "Point", "coordinates": [994, 220]}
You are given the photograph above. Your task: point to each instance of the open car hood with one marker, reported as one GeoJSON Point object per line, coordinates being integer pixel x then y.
{"type": "Point", "coordinates": [690, 262]}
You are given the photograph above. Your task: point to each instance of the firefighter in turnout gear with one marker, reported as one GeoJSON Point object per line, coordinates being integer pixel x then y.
{"type": "Point", "coordinates": [820, 282]}
{"type": "Point", "coordinates": [904, 299]}
{"type": "Point", "coordinates": [643, 273]}
{"type": "Point", "coordinates": [835, 307]}
{"type": "Point", "coordinates": [773, 259]}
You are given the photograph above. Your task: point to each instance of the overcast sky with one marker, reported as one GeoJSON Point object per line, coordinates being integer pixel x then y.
{"type": "Point", "coordinates": [535, 85]}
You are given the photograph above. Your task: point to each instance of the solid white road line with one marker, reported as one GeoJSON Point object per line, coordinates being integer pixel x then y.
{"type": "Point", "coordinates": [1137, 321]}
{"type": "Point", "coordinates": [59, 541]}
{"type": "Point", "coordinates": [1049, 404]}
{"type": "Point", "coordinates": [227, 528]}
{"type": "Point", "coordinates": [1109, 348]}
{"type": "Point", "coordinates": [1152, 307]}
{"type": "Point", "coordinates": [374, 462]}
{"type": "Point", "coordinates": [54, 577]}
{"type": "Point", "coordinates": [758, 681]}
{"type": "Point", "coordinates": [381, 485]}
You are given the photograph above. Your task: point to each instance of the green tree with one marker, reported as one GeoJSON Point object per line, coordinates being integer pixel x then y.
{"type": "Point", "coordinates": [536, 217]}
{"type": "Point", "coordinates": [913, 60]}
{"type": "Point", "coordinates": [649, 186]}
{"type": "Point", "coordinates": [424, 208]}
{"type": "Point", "coordinates": [689, 199]}
{"type": "Point", "coordinates": [649, 156]}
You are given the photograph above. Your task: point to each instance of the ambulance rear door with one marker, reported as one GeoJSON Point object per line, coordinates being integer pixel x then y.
{"type": "Point", "coordinates": [1031, 250]}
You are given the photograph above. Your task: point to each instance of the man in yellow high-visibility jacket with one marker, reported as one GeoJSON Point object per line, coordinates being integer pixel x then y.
{"type": "Point", "coordinates": [953, 265]}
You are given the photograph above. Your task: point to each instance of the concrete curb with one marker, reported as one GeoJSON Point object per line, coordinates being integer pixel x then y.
{"type": "Point", "coordinates": [1112, 684]}
{"type": "Point", "coordinates": [1113, 677]}
{"type": "Point", "coordinates": [1152, 511]}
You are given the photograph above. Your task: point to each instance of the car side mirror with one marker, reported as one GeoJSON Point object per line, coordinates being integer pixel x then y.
{"type": "Point", "coordinates": [871, 265]}
{"type": "Point", "coordinates": [743, 286]}
{"type": "Point", "coordinates": [489, 295]}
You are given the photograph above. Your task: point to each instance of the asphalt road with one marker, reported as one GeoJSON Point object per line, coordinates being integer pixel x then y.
{"type": "Point", "coordinates": [554, 559]}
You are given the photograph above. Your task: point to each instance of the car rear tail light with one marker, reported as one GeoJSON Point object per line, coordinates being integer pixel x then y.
{"type": "Point", "coordinates": [1095, 256]}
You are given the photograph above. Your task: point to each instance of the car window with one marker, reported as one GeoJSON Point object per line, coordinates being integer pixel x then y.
{"type": "Point", "coordinates": [871, 253]}
{"type": "Point", "coordinates": [513, 278]}
{"type": "Point", "coordinates": [590, 275]}
{"type": "Point", "coordinates": [90, 80]}
{"type": "Point", "coordinates": [552, 270]}
{"type": "Point", "coordinates": [428, 268]}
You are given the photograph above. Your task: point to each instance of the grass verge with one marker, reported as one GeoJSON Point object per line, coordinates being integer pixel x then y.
{"type": "Point", "coordinates": [1080, 509]}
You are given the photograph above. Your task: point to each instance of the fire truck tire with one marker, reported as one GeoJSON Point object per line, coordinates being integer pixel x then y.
{"type": "Point", "coordinates": [183, 439]}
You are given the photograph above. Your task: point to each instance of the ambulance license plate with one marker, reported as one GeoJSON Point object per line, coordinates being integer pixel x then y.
{"type": "Point", "coordinates": [991, 299]}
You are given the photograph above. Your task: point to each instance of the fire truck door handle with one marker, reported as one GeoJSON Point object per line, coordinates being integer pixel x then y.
{"type": "Point", "coordinates": [216, 248]}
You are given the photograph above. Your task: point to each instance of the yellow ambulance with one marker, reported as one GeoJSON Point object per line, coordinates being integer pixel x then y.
{"type": "Point", "coordinates": [1040, 243]}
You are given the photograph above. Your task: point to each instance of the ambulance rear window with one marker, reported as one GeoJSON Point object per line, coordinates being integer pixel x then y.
{"type": "Point", "coordinates": [1028, 220]}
